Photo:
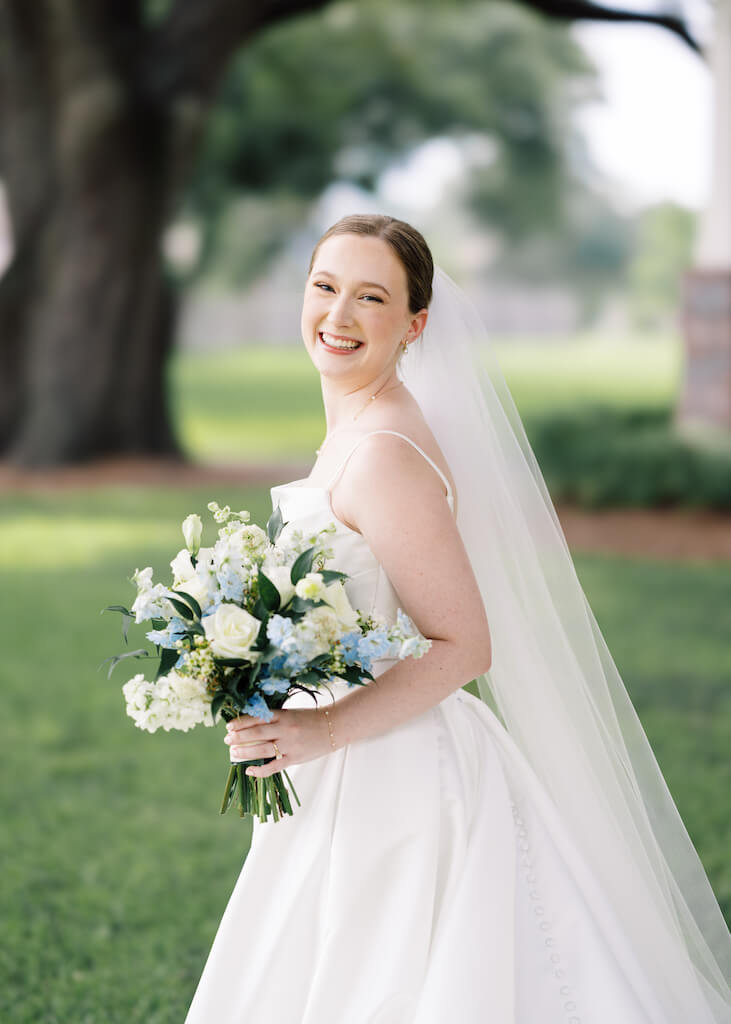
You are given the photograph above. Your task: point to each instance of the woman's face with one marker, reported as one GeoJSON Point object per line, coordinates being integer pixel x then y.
{"type": "Point", "coordinates": [355, 311]}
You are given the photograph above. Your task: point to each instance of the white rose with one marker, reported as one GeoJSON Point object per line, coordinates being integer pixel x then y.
{"type": "Point", "coordinates": [192, 530]}
{"type": "Point", "coordinates": [231, 631]}
{"type": "Point", "coordinates": [279, 575]}
{"type": "Point", "coordinates": [336, 597]}
{"type": "Point", "coordinates": [311, 586]}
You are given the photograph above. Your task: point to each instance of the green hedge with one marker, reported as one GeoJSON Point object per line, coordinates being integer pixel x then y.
{"type": "Point", "coordinates": [601, 455]}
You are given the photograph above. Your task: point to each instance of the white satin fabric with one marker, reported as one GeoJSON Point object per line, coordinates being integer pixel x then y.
{"type": "Point", "coordinates": [427, 876]}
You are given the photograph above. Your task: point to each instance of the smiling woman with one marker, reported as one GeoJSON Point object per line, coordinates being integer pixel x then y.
{"type": "Point", "coordinates": [515, 858]}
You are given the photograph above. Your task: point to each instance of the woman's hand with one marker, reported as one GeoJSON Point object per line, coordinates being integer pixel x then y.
{"type": "Point", "coordinates": [301, 734]}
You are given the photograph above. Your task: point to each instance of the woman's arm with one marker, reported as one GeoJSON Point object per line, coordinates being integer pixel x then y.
{"type": "Point", "coordinates": [391, 494]}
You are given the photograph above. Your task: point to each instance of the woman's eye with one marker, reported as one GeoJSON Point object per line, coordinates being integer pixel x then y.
{"type": "Point", "coordinates": [322, 284]}
{"type": "Point", "coordinates": [374, 297]}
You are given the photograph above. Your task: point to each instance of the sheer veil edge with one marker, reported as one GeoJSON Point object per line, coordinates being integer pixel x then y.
{"type": "Point", "coordinates": [553, 682]}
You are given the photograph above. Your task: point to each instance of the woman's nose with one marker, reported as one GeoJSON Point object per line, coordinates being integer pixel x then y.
{"type": "Point", "coordinates": [341, 311]}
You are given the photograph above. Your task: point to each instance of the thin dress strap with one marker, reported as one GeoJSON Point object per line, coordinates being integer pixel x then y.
{"type": "Point", "coordinates": [342, 465]}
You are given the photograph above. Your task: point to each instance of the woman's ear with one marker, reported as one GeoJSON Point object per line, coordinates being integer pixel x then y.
{"type": "Point", "coordinates": [417, 325]}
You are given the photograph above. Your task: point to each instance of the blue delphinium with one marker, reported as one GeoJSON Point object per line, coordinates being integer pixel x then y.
{"type": "Point", "coordinates": [279, 629]}
{"type": "Point", "coordinates": [257, 706]}
{"type": "Point", "coordinates": [349, 643]}
{"type": "Point", "coordinates": [174, 631]}
{"type": "Point", "coordinates": [273, 684]}
{"type": "Point", "coordinates": [232, 586]}
{"type": "Point", "coordinates": [373, 645]}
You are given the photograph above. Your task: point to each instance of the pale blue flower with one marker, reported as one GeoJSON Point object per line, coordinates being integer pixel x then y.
{"type": "Point", "coordinates": [258, 708]}
{"type": "Point", "coordinates": [349, 642]}
{"type": "Point", "coordinates": [274, 684]}
{"type": "Point", "coordinates": [279, 629]}
{"type": "Point", "coordinates": [174, 631]}
{"type": "Point", "coordinates": [232, 586]}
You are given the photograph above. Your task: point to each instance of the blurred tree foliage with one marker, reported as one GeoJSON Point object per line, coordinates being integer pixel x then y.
{"type": "Point", "coordinates": [342, 94]}
{"type": "Point", "coordinates": [662, 251]}
{"type": "Point", "coordinates": [105, 110]}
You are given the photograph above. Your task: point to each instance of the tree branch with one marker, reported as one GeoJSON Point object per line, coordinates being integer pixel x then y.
{"type": "Point", "coordinates": [189, 51]}
{"type": "Point", "coordinates": [585, 10]}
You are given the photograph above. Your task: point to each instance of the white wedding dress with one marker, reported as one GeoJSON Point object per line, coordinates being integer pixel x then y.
{"type": "Point", "coordinates": [426, 878]}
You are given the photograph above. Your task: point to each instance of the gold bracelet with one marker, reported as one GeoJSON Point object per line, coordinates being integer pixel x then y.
{"type": "Point", "coordinates": [330, 728]}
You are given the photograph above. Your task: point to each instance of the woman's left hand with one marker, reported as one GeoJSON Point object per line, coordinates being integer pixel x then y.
{"type": "Point", "coordinates": [301, 734]}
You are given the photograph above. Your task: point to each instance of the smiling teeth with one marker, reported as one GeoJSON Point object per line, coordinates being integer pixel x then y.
{"type": "Point", "coordinates": [338, 342]}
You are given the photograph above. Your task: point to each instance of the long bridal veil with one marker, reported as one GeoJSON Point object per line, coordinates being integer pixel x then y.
{"type": "Point", "coordinates": [553, 682]}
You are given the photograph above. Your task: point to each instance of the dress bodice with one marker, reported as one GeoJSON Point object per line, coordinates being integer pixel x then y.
{"type": "Point", "coordinates": [308, 508]}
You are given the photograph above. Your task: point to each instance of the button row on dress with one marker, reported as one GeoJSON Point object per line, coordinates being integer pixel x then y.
{"type": "Point", "coordinates": [539, 910]}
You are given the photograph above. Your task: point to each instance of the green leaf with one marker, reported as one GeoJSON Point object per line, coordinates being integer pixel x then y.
{"type": "Point", "coordinates": [274, 525]}
{"type": "Point", "coordinates": [116, 658]}
{"type": "Point", "coordinates": [302, 604]}
{"type": "Point", "coordinates": [182, 608]}
{"type": "Point", "coordinates": [302, 565]}
{"type": "Point", "coordinates": [268, 593]}
{"type": "Point", "coordinates": [331, 575]}
{"type": "Point", "coordinates": [309, 678]}
{"type": "Point", "coordinates": [191, 601]}
{"type": "Point", "coordinates": [216, 704]}
{"type": "Point", "coordinates": [127, 617]}
{"type": "Point", "coordinates": [168, 659]}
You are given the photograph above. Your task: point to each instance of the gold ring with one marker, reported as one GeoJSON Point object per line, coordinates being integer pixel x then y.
{"type": "Point", "coordinates": [277, 751]}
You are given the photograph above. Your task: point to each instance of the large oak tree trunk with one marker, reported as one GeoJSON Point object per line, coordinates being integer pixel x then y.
{"type": "Point", "coordinates": [86, 315]}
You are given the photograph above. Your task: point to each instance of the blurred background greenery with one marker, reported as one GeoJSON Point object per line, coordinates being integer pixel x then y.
{"type": "Point", "coordinates": [161, 201]}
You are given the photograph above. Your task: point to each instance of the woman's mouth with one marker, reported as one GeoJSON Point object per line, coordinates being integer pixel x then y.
{"type": "Point", "coordinates": [338, 342]}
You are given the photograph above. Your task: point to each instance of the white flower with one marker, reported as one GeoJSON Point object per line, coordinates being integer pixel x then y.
{"type": "Point", "coordinates": [280, 577]}
{"type": "Point", "coordinates": [337, 598]}
{"type": "Point", "coordinates": [151, 601]}
{"type": "Point", "coordinates": [311, 586]}
{"type": "Point", "coordinates": [192, 530]}
{"type": "Point", "coordinates": [231, 631]}
{"type": "Point", "coordinates": [175, 701]}
{"type": "Point", "coordinates": [200, 582]}
{"type": "Point", "coordinates": [317, 631]}
{"type": "Point", "coordinates": [182, 567]}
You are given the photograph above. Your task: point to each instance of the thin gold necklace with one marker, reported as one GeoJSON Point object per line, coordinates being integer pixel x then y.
{"type": "Point", "coordinates": [371, 398]}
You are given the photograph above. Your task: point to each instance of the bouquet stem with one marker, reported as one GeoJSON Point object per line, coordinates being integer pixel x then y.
{"type": "Point", "coordinates": [258, 797]}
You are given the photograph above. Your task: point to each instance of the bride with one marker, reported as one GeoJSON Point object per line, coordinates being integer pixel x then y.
{"type": "Point", "coordinates": [514, 859]}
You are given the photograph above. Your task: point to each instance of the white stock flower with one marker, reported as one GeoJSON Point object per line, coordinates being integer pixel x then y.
{"type": "Point", "coordinates": [175, 701]}
{"type": "Point", "coordinates": [317, 631]}
{"type": "Point", "coordinates": [231, 631]}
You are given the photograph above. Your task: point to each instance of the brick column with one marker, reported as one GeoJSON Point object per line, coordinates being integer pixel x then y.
{"type": "Point", "coordinates": [706, 302]}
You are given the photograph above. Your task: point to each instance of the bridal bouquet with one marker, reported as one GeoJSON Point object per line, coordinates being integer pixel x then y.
{"type": "Point", "coordinates": [246, 623]}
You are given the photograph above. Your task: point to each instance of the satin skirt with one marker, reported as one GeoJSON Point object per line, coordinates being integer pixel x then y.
{"type": "Point", "coordinates": [427, 877]}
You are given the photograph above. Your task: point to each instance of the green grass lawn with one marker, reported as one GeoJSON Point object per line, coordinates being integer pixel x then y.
{"type": "Point", "coordinates": [117, 864]}
{"type": "Point", "coordinates": [263, 402]}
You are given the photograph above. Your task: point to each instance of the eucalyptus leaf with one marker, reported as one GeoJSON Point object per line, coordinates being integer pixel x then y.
{"type": "Point", "coordinates": [116, 658]}
{"type": "Point", "coordinates": [274, 525]}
